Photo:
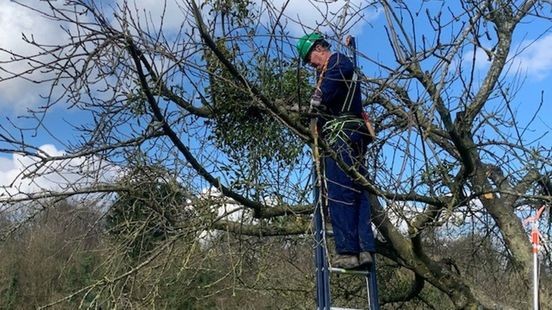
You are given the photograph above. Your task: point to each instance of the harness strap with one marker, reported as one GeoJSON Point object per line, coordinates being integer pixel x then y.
{"type": "Point", "coordinates": [350, 94]}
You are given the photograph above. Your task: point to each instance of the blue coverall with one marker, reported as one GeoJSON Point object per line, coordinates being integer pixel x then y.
{"type": "Point", "coordinates": [348, 203]}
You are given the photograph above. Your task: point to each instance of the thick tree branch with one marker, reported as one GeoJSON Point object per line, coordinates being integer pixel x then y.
{"type": "Point", "coordinates": [505, 24]}
{"type": "Point", "coordinates": [264, 230]}
{"type": "Point", "coordinates": [135, 54]}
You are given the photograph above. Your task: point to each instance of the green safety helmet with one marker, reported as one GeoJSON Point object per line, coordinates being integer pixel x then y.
{"type": "Point", "coordinates": [306, 43]}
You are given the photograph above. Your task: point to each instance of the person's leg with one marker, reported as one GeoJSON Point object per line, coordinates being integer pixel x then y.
{"type": "Point", "coordinates": [343, 212]}
{"type": "Point", "coordinates": [365, 233]}
{"type": "Point", "coordinates": [364, 221]}
{"type": "Point", "coordinates": [349, 206]}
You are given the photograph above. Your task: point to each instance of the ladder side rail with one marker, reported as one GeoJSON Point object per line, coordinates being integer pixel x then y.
{"type": "Point", "coordinates": [371, 279]}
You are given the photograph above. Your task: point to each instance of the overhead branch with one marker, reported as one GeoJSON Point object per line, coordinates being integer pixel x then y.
{"type": "Point", "coordinates": [264, 230]}
{"type": "Point", "coordinates": [505, 23]}
{"type": "Point", "coordinates": [136, 56]}
{"type": "Point", "coordinates": [457, 137]}
{"type": "Point", "coordinates": [51, 194]}
{"type": "Point", "coordinates": [164, 91]}
{"type": "Point", "coordinates": [280, 113]}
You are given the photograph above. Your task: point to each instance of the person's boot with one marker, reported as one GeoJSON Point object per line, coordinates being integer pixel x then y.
{"type": "Point", "coordinates": [344, 261]}
{"type": "Point", "coordinates": [365, 260]}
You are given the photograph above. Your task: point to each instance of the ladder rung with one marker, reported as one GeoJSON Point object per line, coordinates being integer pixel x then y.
{"type": "Point", "coordinates": [349, 271]}
{"type": "Point", "coordinates": [339, 308]}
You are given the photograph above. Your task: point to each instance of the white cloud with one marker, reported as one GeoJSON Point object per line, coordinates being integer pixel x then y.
{"type": "Point", "coordinates": [535, 58]}
{"type": "Point", "coordinates": [18, 94]}
{"type": "Point", "coordinates": [480, 60]}
{"type": "Point", "coordinates": [299, 16]}
{"type": "Point", "coordinates": [170, 13]}
{"type": "Point", "coordinates": [16, 20]}
{"type": "Point", "coordinates": [302, 17]}
{"type": "Point", "coordinates": [530, 57]}
{"type": "Point", "coordinates": [5, 165]}
{"type": "Point", "coordinates": [23, 175]}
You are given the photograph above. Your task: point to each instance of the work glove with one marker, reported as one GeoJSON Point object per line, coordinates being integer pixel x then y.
{"type": "Point", "coordinates": [316, 99]}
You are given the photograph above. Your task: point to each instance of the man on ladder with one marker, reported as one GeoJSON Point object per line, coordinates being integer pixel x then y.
{"type": "Point", "coordinates": [337, 98]}
{"type": "Point", "coordinates": [344, 126]}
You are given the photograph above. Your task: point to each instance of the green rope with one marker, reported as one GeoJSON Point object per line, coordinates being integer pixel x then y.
{"type": "Point", "coordinates": [334, 129]}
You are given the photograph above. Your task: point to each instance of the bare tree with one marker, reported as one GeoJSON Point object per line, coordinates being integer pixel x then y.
{"type": "Point", "coordinates": [210, 102]}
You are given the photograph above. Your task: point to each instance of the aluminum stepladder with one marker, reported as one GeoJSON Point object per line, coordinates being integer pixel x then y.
{"type": "Point", "coordinates": [323, 269]}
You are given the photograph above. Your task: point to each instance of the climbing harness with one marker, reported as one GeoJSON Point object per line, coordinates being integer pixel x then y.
{"type": "Point", "coordinates": [335, 129]}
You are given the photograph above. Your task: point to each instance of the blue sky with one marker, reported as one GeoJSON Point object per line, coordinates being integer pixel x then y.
{"type": "Point", "coordinates": [533, 40]}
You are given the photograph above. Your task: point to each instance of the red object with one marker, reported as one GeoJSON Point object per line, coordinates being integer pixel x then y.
{"type": "Point", "coordinates": [535, 235]}
{"type": "Point", "coordinates": [535, 240]}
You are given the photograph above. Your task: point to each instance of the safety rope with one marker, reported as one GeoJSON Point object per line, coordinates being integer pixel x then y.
{"type": "Point", "coordinates": [321, 76]}
{"type": "Point", "coordinates": [320, 177]}
{"type": "Point", "coordinates": [350, 93]}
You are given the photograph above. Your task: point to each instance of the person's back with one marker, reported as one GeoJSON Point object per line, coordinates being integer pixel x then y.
{"type": "Point", "coordinates": [341, 94]}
